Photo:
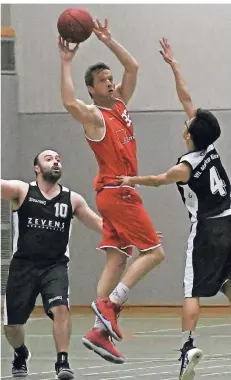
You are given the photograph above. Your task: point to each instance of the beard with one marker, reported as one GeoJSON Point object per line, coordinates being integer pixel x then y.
{"type": "Point", "coordinates": [51, 176]}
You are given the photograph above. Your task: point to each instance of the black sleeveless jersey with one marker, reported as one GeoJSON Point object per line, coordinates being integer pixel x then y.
{"type": "Point", "coordinates": [207, 193]}
{"type": "Point", "coordinates": [42, 226]}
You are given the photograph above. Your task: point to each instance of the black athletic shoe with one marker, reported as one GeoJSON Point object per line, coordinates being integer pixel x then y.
{"type": "Point", "coordinates": [19, 368]}
{"type": "Point", "coordinates": [190, 357]}
{"type": "Point", "coordinates": [63, 370]}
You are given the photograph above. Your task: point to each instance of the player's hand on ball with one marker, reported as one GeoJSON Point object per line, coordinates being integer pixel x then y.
{"type": "Point", "coordinates": [102, 32]}
{"type": "Point", "coordinates": [66, 53]}
{"type": "Point", "coordinates": [124, 180]}
{"type": "Point", "coordinates": [166, 53]}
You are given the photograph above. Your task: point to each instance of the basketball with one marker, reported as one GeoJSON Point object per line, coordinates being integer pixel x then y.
{"type": "Point", "coordinates": [75, 25]}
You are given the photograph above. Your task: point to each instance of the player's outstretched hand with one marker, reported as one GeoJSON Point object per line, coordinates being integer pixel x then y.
{"type": "Point", "coordinates": [102, 32]}
{"type": "Point", "coordinates": [124, 180]}
{"type": "Point", "coordinates": [66, 53]}
{"type": "Point", "coordinates": [166, 53]}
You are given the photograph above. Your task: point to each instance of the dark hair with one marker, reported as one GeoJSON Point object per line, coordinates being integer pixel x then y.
{"type": "Point", "coordinates": [97, 67]}
{"type": "Point", "coordinates": [204, 129]}
{"type": "Point", "coordinates": [36, 162]}
{"type": "Point", "coordinates": [36, 159]}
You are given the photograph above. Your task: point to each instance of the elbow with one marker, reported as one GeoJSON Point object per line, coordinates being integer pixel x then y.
{"type": "Point", "coordinates": [188, 99]}
{"type": "Point", "coordinates": [68, 100]}
{"type": "Point", "coordinates": [69, 105]}
{"type": "Point", "coordinates": [154, 181]}
{"type": "Point", "coordinates": [158, 183]}
{"type": "Point", "coordinates": [135, 67]}
{"type": "Point", "coordinates": [132, 67]}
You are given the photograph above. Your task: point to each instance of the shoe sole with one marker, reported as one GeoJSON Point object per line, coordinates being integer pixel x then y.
{"type": "Point", "coordinates": [65, 375]}
{"type": "Point", "coordinates": [106, 323]}
{"type": "Point", "coordinates": [23, 374]}
{"type": "Point", "coordinates": [189, 374]}
{"type": "Point", "coordinates": [103, 353]}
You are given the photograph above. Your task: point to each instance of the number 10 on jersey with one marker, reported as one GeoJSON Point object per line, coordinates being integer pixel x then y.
{"type": "Point", "coordinates": [61, 210]}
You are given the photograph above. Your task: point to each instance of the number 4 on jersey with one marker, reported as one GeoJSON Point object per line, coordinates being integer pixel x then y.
{"type": "Point", "coordinates": [216, 183]}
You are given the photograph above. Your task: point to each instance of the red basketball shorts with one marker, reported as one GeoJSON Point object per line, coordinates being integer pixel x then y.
{"type": "Point", "coordinates": [125, 221]}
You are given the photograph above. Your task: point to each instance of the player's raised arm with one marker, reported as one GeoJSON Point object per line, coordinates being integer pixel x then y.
{"type": "Point", "coordinates": [126, 87]}
{"type": "Point", "coordinates": [85, 214]}
{"type": "Point", "coordinates": [178, 173]}
{"type": "Point", "coordinates": [181, 88]}
{"type": "Point", "coordinates": [85, 114]}
{"type": "Point", "coordinates": [10, 190]}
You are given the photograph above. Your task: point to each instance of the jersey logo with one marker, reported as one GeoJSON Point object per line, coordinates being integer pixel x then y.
{"type": "Point", "coordinates": [37, 201]}
{"type": "Point", "coordinates": [45, 224]}
{"type": "Point", "coordinates": [126, 117]}
{"type": "Point", "coordinates": [123, 137]}
{"type": "Point", "coordinates": [55, 298]}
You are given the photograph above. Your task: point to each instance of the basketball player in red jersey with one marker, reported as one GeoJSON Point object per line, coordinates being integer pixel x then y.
{"type": "Point", "coordinates": [109, 132]}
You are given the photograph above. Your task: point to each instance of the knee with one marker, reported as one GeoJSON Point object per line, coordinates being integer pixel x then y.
{"type": "Point", "coordinates": [116, 261]}
{"type": "Point", "coordinates": [11, 329]}
{"type": "Point", "coordinates": [193, 313]}
{"type": "Point", "coordinates": [60, 313]}
{"type": "Point", "coordinates": [191, 308]}
{"type": "Point", "coordinates": [158, 255]}
{"type": "Point", "coordinates": [120, 265]}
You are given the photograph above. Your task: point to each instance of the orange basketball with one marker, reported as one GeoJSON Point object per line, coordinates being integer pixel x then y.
{"type": "Point", "coordinates": [75, 25]}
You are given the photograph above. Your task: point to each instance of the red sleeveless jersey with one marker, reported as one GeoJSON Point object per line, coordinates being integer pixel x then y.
{"type": "Point", "coordinates": [116, 151]}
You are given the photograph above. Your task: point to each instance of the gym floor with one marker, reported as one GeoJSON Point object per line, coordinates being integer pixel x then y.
{"type": "Point", "coordinates": [151, 346]}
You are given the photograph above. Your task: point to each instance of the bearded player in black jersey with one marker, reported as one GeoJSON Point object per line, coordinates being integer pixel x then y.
{"type": "Point", "coordinates": [205, 190]}
{"type": "Point", "coordinates": [42, 216]}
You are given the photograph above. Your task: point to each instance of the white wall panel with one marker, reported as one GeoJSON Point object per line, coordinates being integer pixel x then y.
{"type": "Point", "coordinates": [200, 35]}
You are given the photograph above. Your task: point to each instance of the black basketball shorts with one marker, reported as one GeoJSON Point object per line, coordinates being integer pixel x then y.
{"type": "Point", "coordinates": [26, 281]}
{"type": "Point", "coordinates": [208, 258]}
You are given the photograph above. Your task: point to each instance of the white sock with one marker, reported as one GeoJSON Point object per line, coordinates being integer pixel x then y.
{"type": "Point", "coordinates": [119, 294]}
{"type": "Point", "coordinates": [186, 335]}
{"type": "Point", "coordinates": [98, 324]}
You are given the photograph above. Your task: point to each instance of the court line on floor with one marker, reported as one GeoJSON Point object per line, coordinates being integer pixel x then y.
{"type": "Point", "coordinates": [176, 378]}
{"type": "Point", "coordinates": [168, 318]}
{"type": "Point", "coordinates": [30, 374]}
{"type": "Point", "coordinates": [175, 336]}
{"type": "Point", "coordinates": [100, 366]}
{"type": "Point", "coordinates": [132, 318]}
{"type": "Point", "coordinates": [82, 316]}
{"type": "Point", "coordinates": [91, 359]}
{"type": "Point", "coordinates": [147, 368]}
{"type": "Point", "coordinates": [161, 373]}
{"type": "Point", "coordinates": [134, 333]}
{"type": "Point", "coordinates": [212, 357]}
{"type": "Point", "coordinates": [140, 336]}
{"type": "Point", "coordinates": [166, 330]}
{"type": "Point", "coordinates": [218, 373]}
{"type": "Point", "coordinates": [126, 363]}
{"type": "Point", "coordinates": [83, 368]}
